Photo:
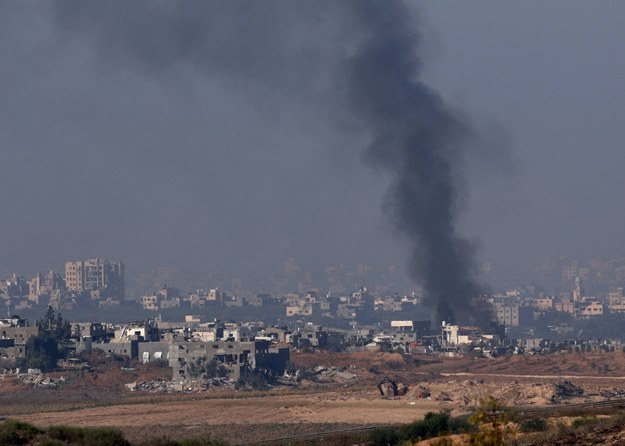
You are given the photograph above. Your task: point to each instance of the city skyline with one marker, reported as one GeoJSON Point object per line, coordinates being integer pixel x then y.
{"type": "Point", "coordinates": [362, 212]}
{"type": "Point", "coordinates": [183, 169]}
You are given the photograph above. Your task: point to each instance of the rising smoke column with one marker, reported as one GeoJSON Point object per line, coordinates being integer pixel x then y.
{"type": "Point", "coordinates": [282, 46]}
{"type": "Point", "coordinates": [418, 140]}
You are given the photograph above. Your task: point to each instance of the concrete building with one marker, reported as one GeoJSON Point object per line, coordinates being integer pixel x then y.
{"type": "Point", "coordinates": [507, 314]}
{"type": "Point", "coordinates": [592, 309]}
{"type": "Point", "coordinates": [543, 303]}
{"type": "Point", "coordinates": [150, 302]}
{"type": "Point", "coordinates": [44, 284]}
{"type": "Point", "coordinates": [565, 306]}
{"type": "Point", "coordinates": [14, 286]}
{"type": "Point", "coordinates": [419, 328]}
{"type": "Point", "coordinates": [299, 310]}
{"type": "Point", "coordinates": [97, 331]}
{"type": "Point", "coordinates": [389, 303]}
{"type": "Point", "coordinates": [615, 297]}
{"type": "Point", "coordinates": [143, 331]}
{"type": "Point", "coordinates": [96, 274]}
{"type": "Point", "coordinates": [166, 297]}
{"type": "Point", "coordinates": [454, 335]}
{"type": "Point", "coordinates": [239, 358]}
{"type": "Point", "coordinates": [14, 333]}
{"type": "Point", "coordinates": [578, 291]}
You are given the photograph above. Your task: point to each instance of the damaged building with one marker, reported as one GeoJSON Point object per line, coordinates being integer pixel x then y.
{"type": "Point", "coordinates": [14, 333]}
{"type": "Point", "coordinates": [239, 358]}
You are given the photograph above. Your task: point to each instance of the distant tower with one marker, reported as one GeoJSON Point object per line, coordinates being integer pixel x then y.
{"type": "Point", "coordinates": [578, 292]}
{"type": "Point", "coordinates": [94, 274]}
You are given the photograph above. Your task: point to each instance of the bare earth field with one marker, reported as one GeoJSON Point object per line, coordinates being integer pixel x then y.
{"type": "Point", "coordinates": [323, 402]}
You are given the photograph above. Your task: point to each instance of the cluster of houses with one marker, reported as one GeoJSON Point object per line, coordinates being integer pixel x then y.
{"type": "Point", "coordinates": [519, 307]}
{"type": "Point", "coordinates": [100, 283]}
{"type": "Point", "coordinates": [515, 307]}
{"type": "Point", "coordinates": [312, 303]}
{"type": "Point", "coordinates": [239, 349]}
{"type": "Point", "coordinates": [94, 282]}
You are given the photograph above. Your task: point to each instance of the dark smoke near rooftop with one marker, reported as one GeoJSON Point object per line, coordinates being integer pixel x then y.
{"type": "Point", "coordinates": [419, 140]}
{"type": "Point", "coordinates": [415, 136]}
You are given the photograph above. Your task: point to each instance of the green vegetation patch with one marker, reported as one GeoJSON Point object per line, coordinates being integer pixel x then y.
{"type": "Point", "coordinates": [534, 425]}
{"type": "Point", "coordinates": [584, 421]}
{"type": "Point", "coordinates": [17, 433]}
{"type": "Point", "coordinates": [433, 425]}
{"type": "Point", "coordinates": [195, 441]}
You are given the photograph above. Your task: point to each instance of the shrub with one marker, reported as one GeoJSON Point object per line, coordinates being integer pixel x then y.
{"type": "Point", "coordinates": [584, 421]}
{"type": "Point", "coordinates": [387, 436]}
{"type": "Point", "coordinates": [492, 420]}
{"type": "Point", "coordinates": [459, 425]}
{"type": "Point", "coordinates": [87, 437]}
{"type": "Point", "coordinates": [17, 433]}
{"type": "Point", "coordinates": [432, 425]}
{"type": "Point", "coordinates": [535, 425]}
{"type": "Point", "coordinates": [42, 352]}
{"type": "Point", "coordinates": [195, 441]}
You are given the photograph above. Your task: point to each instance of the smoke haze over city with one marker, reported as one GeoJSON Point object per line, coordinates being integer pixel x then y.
{"type": "Point", "coordinates": [214, 133]}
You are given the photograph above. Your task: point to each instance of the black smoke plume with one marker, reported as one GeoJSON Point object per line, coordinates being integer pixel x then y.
{"type": "Point", "coordinates": [419, 140]}
{"type": "Point", "coordinates": [415, 136]}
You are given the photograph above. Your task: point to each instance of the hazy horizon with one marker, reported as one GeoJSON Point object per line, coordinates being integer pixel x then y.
{"type": "Point", "coordinates": [161, 162]}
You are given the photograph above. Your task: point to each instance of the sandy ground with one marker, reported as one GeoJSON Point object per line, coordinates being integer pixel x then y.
{"type": "Point", "coordinates": [310, 408]}
{"type": "Point", "coordinates": [435, 384]}
{"type": "Point", "coordinates": [243, 419]}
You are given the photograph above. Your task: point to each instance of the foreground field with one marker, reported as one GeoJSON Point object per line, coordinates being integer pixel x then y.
{"type": "Point", "coordinates": [348, 400]}
{"type": "Point", "coordinates": [241, 419]}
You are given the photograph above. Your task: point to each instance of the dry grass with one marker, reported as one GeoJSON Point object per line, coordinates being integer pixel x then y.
{"type": "Point", "coordinates": [98, 398]}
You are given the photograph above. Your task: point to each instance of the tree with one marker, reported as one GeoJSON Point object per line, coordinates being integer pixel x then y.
{"type": "Point", "coordinates": [44, 350]}
{"type": "Point", "coordinates": [493, 422]}
{"type": "Point", "coordinates": [54, 325]}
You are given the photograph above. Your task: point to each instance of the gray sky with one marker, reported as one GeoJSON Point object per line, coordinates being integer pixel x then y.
{"type": "Point", "coordinates": [551, 74]}
{"type": "Point", "coordinates": [156, 157]}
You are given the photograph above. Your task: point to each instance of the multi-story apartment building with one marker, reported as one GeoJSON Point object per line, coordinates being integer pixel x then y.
{"type": "Point", "coordinates": [507, 314]}
{"type": "Point", "coordinates": [592, 309]}
{"type": "Point", "coordinates": [543, 303]}
{"type": "Point", "coordinates": [96, 274]}
{"type": "Point", "coordinates": [615, 297]}
{"type": "Point", "coordinates": [44, 284]}
{"type": "Point", "coordinates": [14, 286]}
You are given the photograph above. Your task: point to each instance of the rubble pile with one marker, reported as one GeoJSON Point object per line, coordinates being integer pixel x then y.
{"type": "Point", "coordinates": [151, 386]}
{"type": "Point", "coordinates": [39, 380]}
{"type": "Point", "coordinates": [424, 394]}
{"type": "Point", "coordinates": [469, 393]}
{"type": "Point", "coordinates": [566, 389]}
{"type": "Point", "coordinates": [389, 388]}
{"type": "Point", "coordinates": [189, 386]}
{"type": "Point", "coordinates": [443, 396]}
{"type": "Point", "coordinates": [323, 374]}
{"type": "Point", "coordinates": [612, 393]}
